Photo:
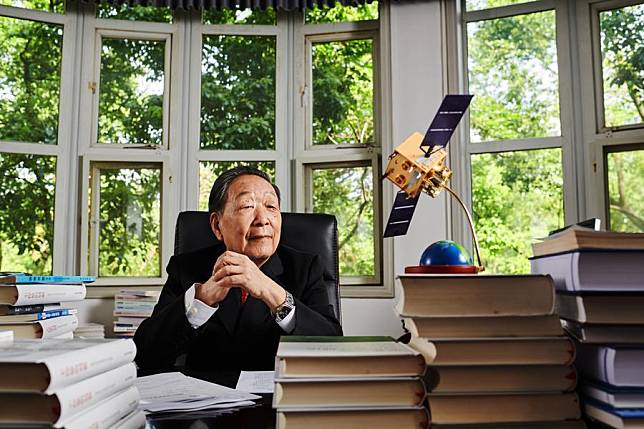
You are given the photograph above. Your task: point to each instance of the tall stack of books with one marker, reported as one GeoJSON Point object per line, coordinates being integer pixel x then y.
{"type": "Point", "coordinates": [501, 357]}
{"type": "Point", "coordinates": [131, 307]}
{"type": "Point", "coordinates": [69, 384]}
{"type": "Point", "coordinates": [349, 382]}
{"type": "Point", "coordinates": [599, 277]}
{"type": "Point", "coordinates": [32, 306]}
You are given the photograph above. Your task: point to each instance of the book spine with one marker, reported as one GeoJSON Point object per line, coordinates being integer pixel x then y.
{"type": "Point", "coordinates": [69, 368]}
{"type": "Point", "coordinates": [58, 326]}
{"type": "Point", "coordinates": [82, 395]}
{"type": "Point", "coordinates": [10, 310]}
{"type": "Point", "coordinates": [105, 414]}
{"type": "Point", "coordinates": [55, 313]}
{"type": "Point", "coordinates": [48, 279]}
{"type": "Point", "coordinates": [45, 294]}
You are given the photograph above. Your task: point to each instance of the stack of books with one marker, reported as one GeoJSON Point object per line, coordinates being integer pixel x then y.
{"type": "Point", "coordinates": [349, 382]}
{"type": "Point", "coordinates": [131, 307]}
{"type": "Point", "coordinates": [69, 384]}
{"type": "Point", "coordinates": [30, 306]}
{"type": "Point", "coordinates": [501, 356]}
{"type": "Point", "coordinates": [599, 277]}
{"type": "Point", "coordinates": [90, 330]}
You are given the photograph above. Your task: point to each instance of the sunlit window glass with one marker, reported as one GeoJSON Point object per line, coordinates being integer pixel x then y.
{"type": "Point", "coordinates": [133, 12]}
{"type": "Point", "coordinates": [341, 13]}
{"type": "Point", "coordinates": [27, 188]}
{"type": "Point", "coordinates": [516, 198]}
{"type": "Point", "coordinates": [55, 6]}
{"type": "Point", "coordinates": [485, 4]}
{"type": "Point", "coordinates": [243, 16]}
{"type": "Point", "coordinates": [512, 64]}
{"type": "Point", "coordinates": [343, 108]}
{"type": "Point", "coordinates": [30, 62]}
{"type": "Point", "coordinates": [626, 190]}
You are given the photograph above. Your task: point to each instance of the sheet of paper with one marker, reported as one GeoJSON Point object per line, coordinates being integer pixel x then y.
{"type": "Point", "coordinates": [176, 391]}
{"type": "Point", "coordinates": [256, 381]}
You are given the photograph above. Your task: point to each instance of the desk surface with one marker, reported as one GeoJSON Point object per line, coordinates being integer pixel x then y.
{"type": "Point", "coordinates": [260, 416]}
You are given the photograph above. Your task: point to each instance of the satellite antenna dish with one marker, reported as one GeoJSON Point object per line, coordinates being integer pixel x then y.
{"type": "Point", "coordinates": [418, 165]}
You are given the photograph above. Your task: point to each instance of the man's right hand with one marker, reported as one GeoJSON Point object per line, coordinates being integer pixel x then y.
{"type": "Point", "coordinates": [210, 293]}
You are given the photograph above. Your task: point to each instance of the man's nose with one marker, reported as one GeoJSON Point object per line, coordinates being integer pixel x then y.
{"type": "Point", "coordinates": [261, 215]}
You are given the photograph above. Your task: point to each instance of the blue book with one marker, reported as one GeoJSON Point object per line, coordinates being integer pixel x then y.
{"type": "Point", "coordinates": [33, 317]}
{"type": "Point", "coordinates": [613, 396]}
{"type": "Point", "coordinates": [595, 409]}
{"type": "Point", "coordinates": [25, 279]}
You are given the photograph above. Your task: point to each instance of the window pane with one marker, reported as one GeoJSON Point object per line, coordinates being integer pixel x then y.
{"type": "Point", "coordinates": [516, 197]}
{"type": "Point", "coordinates": [347, 193]}
{"type": "Point", "coordinates": [130, 219]}
{"type": "Point", "coordinates": [27, 186]}
{"type": "Point", "coordinates": [238, 92]}
{"type": "Point", "coordinates": [245, 16]}
{"type": "Point", "coordinates": [131, 92]}
{"type": "Point", "coordinates": [30, 61]}
{"type": "Point", "coordinates": [133, 12]}
{"type": "Point", "coordinates": [485, 4]}
{"type": "Point", "coordinates": [623, 65]}
{"type": "Point", "coordinates": [626, 190]}
{"type": "Point", "coordinates": [56, 6]}
{"type": "Point", "coordinates": [341, 13]}
{"type": "Point", "coordinates": [343, 92]}
{"type": "Point", "coordinates": [513, 75]}
{"type": "Point", "coordinates": [210, 170]}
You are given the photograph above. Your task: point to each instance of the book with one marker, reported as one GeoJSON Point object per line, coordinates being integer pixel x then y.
{"type": "Point", "coordinates": [601, 334]}
{"type": "Point", "coordinates": [609, 308]}
{"type": "Point", "coordinates": [348, 392]}
{"type": "Point", "coordinates": [412, 418]}
{"type": "Point", "coordinates": [614, 365]}
{"type": "Point", "coordinates": [621, 418]}
{"type": "Point", "coordinates": [473, 409]}
{"type": "Point", "coordinates": [46, 328]}
{"type": "Point", "coordinates": [22, 278]}
{"type": "Point", "coordinates": [29, 294]}
{"type": "Point", "coordinates": [460, 295]}
{"type": "Point", "coordinates": [500, 351]}
{"type": "Point", "coordinates": [134, 420]}
{"type": "Point", "coordinates": [65, 403]}
{"type": "Point", "coordinates": [6, 337]}
{"type": "Point", "coordinates": [346, 356]}
{"type": "Point", "coordinates": [564, 424]}
{"type": "Point", "coordinates": [593, 270]}
{"type": "Point", "coordinates": [107, 413]}
{"type": "Point", "coordinates": [616, 397]}
{"type": "Point", "coordinates": [585, 238]}
{"type": "Point", "coordinates": [508, 326]}
{"type": "Point", "coordinates": [29, 317]}
{"type": "Point", "coordinates": [500, 379]}
{"type": "Point", "coordinates": [10, 310]}
{"type": "Point", "coordinates": [44, 366]}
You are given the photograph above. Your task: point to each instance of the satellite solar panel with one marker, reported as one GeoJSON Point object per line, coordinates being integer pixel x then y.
{"type": "Point", "coordinates": [447, 118]}
{"type": "Point", "coordinates": [401, 214]}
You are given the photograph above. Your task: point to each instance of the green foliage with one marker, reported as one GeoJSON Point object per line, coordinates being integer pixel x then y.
{"type": "Point", "coordinates": [626, 190]}
{"type": "Point", "coordinates": [623, 65]}
{"type": "Point", "coordinates": [484, 4]}
{"type": "Point", "coordinates": [347, 193]}
{"type": "Point", "coordinates": [245, 16]}
{"type": "Point", "coordinates": [130, 113]}
{"type": "Point", "coordinates": [130, 227]}
{"type": "Point", "coordinates": [517, 197]}
{"type": "Point", "coordinates": [209, 171]}
{"type": "Point", "coordinates": [513, 74]}
{"type": "Point", "coordinates": [55, 6]}
{"type": "Point", "coordinates": [339, 13]}
{"type": "Point", "coordinates": [133, 13]}
{"type": "Point", "coordinates": [238, 92]}
{"type": "Point", "coordinates": [343, 92]}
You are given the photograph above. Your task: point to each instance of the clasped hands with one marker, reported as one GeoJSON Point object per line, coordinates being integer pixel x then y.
{"type": "Point", "coordinates": [237, 270]}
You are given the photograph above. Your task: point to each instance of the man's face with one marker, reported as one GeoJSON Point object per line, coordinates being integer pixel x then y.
{"type": "Point", "coordinates": [251, 221]}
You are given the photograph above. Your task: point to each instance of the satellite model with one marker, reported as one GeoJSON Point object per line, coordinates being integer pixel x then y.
{"type": "Point", "coordinates": [418, 165]}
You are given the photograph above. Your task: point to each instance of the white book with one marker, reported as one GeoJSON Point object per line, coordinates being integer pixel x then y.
{"type": "Point", "coordinates": [107, 413]}
{"type": "Point", "coordinates": [47, 328]}
{"type": "Point", "coordinates": [614, 365]}
{"type": "Point", "coordinates": [28, 294]}
{"type": "Point", "coordinates": [48, 365]}
{"type": "Point", "coordinates": [134, 420]}
{"type": "Point", "coordinates": [6, 337]}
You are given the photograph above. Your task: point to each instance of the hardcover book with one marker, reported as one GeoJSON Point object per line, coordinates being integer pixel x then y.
{"type": "Point", "coordinates": [29, 294]}
{"type": "Point", "coordinates": [605, 308]}
{"type": "Point", "coordinates": [578, 237]}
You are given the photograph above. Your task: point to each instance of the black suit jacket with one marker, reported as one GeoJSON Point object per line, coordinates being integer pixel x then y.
{"type": "Point", "coordinates": [236, 337]}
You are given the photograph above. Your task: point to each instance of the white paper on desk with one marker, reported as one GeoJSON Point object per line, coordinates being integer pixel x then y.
{"type": "Point", "coordinates": [256, 381]}
{"type": "Point", "coordinates": [176, 391]}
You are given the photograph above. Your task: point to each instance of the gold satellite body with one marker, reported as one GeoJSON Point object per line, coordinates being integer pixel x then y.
{"type": "Point", "coordinates": [413, 172]}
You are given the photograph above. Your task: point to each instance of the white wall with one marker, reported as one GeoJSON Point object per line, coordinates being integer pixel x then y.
{"type": "Point", "coordinates": [416, 92]}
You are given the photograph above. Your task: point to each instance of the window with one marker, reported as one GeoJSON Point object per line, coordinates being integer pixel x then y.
{"type": "Point", "coordinates": [625, 182]}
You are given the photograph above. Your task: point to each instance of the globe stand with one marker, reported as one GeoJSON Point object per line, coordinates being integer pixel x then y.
{"type": "Point", "coordinates": [452, 269]}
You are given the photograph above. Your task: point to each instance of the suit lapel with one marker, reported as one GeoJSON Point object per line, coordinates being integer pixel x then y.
{"type": "Point", "coordinates": [229, 310]}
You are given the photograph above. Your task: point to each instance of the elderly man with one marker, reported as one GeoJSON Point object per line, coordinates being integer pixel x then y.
{"type": "Point", "coordinates": [226, 306]}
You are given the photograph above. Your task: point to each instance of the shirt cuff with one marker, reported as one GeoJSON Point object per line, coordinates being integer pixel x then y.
{"type": "Point", "coordinates": [197, 312]}
{"type": "Point", "coordinates": [288, 323]}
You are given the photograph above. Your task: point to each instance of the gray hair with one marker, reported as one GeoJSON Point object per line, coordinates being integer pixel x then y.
{"type": "Point", "coordinates": [219, 191]}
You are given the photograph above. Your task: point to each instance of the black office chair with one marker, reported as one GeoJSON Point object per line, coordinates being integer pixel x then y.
{"type": "Point", "coordinates": [308, 232]}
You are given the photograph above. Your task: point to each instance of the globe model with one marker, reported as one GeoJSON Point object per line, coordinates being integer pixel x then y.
{"type": "Point", "coordinates": [445, 252]}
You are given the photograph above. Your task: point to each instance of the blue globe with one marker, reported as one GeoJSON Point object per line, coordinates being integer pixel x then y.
{"type": "Point", "coordinates": [446, 252]}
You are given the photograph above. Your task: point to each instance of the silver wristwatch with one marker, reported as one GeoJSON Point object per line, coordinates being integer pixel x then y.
{"type": "Point", "coordinates": [285, 308]}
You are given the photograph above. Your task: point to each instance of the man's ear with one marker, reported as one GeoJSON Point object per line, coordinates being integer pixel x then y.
{"type": "Point", "coordinates": [214, 225]}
